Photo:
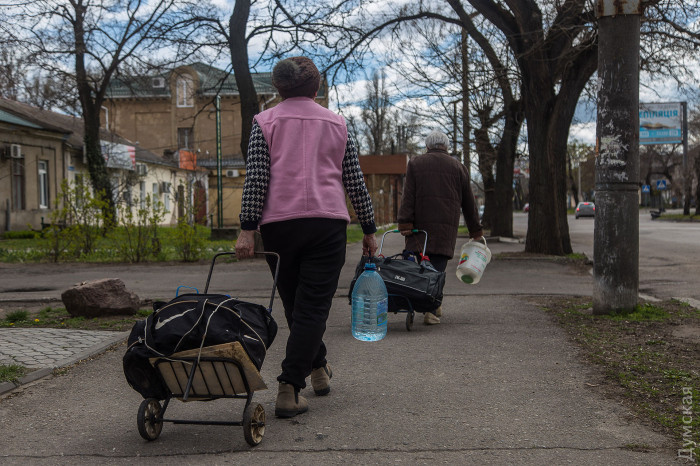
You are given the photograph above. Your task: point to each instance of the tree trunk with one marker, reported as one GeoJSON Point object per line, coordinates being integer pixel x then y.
{"type": "Point", "coordinates": [549, 118]}
{"type": "Point", "coordinates": [696, 163]}
{"type": "Point", "coordinates": [238, 46]}
{"type": "Point", "coordinates": [487, 158]}
{"type": "Point", "coordinates": [547, 179]}
{"type": "Point", "coordinates": [97, 166]}
{"type": "Point", "coordinates": [502, 220]}
{"type": "Point", "coordinates": [91, 122]}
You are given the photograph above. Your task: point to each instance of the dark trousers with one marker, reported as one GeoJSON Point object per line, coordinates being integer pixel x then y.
{"type": "Point", "coordinates": [439, 261]}
{"type": "Point", "coordinates": [312, 254]}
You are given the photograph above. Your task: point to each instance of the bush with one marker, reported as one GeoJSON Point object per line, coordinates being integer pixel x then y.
{"type": "Point", "coordinates": [20, 235]}
{"type": "Point", "coordinates": [77, 224]}
{"type": "Point", "coordinates": [189, 243]}
{"type": "Point", "coordinates": [138, 239]}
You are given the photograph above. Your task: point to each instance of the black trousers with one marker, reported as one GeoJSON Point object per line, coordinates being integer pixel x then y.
{"type": "Point", "coordinates": [439, 261]}
{"type": "Point", "coordinates": [312, 254]}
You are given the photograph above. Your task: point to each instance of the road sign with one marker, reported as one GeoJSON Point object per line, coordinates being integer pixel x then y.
{"type": "Point", "coordinates": [646, 188]}
{"type": "Point", "coordinates": [660, 185]}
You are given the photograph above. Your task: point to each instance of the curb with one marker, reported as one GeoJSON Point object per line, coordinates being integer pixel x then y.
{"type": "Point", "coordinates": [46, 371]}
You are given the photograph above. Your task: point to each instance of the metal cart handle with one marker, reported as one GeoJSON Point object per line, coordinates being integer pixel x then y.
{"type": "Point", "coordinates": [266, 253]}
{"type": "Point", "coordinates": [425, 243]}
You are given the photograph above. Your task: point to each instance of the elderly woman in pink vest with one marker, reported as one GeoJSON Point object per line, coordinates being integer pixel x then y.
{"type": "Point", "coordinates": [301, 163]}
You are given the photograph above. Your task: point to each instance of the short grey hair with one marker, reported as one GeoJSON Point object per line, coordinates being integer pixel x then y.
{"type": "Point", "coordinates": [436, 139]}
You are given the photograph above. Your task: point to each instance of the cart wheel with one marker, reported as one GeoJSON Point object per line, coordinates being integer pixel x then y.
{"type": "Point", "coordinates": [254, 424]}
{"type": "Point", "coordinates": [149, 411]}
{"type": "Point", "coordinates": [409, 320]}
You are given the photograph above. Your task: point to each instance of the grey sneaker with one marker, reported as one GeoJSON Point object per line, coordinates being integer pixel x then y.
{"type": "Point", "coordinates": [321, 380]}
{"type": "Point", "coordinates": [431, 319]}
{"type": "Point", "coordinates": [438, 311]}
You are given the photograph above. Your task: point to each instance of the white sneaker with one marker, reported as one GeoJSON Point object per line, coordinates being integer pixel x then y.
{"type": "Point", "coordinates": [431, 319]}
{"type": "Point", "coordinates": [438, 311]}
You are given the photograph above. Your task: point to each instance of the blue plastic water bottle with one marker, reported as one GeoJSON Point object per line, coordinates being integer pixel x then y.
{"type": "Point", "coordinates": [369, 305]}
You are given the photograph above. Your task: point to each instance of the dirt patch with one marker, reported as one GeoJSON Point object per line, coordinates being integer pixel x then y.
{"type": "Point", "coordinates": [649, 359]}
{"type": "Point", "coordinates": [580, 264]}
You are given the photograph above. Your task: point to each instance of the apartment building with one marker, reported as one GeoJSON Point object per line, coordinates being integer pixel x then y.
{"type": "Point", "coordinates": [174, 113]}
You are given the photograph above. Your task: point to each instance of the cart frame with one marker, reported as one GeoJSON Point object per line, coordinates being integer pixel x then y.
{"type": "Point", "coordinates": [151, 414]}
{"type": "Point", "coordinates": [410, 312]}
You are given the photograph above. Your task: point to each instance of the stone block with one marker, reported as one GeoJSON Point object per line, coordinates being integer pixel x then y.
{"type": "Point", "coordinates": [99, 298]}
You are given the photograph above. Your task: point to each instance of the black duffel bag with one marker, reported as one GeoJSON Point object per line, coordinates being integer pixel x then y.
{"type": "Point", "coordinates": [410, 284]}
{"type": "Point", "coordinates": [192, 321]}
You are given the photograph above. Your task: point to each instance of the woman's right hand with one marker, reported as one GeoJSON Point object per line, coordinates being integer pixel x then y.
{"type": "Point", "coordinates": [245, 244]}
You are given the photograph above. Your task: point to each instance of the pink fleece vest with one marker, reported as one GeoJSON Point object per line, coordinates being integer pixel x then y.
{"type": "Point", "coordinates": [307, 146]}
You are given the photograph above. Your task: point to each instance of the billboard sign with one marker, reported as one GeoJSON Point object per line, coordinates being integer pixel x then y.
{"type": "Point", "coordinates": [119, 155]}
{"type": "Point", "coordinates": [660, 123]}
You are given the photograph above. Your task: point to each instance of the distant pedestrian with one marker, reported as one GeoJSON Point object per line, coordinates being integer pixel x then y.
{"type": "Point", "coordinates": [301, 163]}
{"type": "Point", "coordinates": [436, 190]}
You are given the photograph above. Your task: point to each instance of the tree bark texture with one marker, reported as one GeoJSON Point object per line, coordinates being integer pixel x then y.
{"type": "Point", "coordinates": [91, 119]}
{"type": "Point", "coordinates": [238, 45]}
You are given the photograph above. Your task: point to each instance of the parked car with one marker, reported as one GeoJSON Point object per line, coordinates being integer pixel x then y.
{"type": "Point", "coordinates": [481, 212]}
{"type": "Point", "coordinates": [527, 207]}
{"type": "Point", "coordinates": [585, 209]}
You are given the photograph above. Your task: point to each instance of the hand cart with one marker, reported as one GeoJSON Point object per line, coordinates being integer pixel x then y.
{"type": "Point", "coordinates": [398, 302]}
{"type": "Point", "coordinates": [221, 371]}
{"type": "Point", "coordinates": [413, 284]}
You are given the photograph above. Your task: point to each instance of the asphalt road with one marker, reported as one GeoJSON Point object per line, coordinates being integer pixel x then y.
{"type": "Point", "coordinates": [669, 253]}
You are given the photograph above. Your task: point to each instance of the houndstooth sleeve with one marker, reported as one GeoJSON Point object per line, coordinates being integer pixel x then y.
{"type": "Point", "coordinates": [355, 186]}
{"type": "Point", "coordinates": [257, 179]}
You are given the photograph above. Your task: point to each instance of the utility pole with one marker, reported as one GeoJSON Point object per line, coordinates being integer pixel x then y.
{"type": "Point", "coordinates": [687, 176]}
{"type": "Point", "coordinates": [219, 188]}
{"type": "Point", "coordinates": [579, 180]}
{"type": "Point", "coordinates": [616, 232]}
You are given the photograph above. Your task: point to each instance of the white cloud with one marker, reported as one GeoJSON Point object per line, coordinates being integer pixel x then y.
{"type": "Point", "coordinates": [583, 132]}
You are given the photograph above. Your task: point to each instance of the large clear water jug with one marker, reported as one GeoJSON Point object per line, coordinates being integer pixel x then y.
{"type": "Point", "coordinates": [369, 305]}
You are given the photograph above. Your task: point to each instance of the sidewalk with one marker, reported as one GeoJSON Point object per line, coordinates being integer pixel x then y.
{"type": "Point", "coordinates": [41, 350]}
{"type": "Point", "coordinates": [497, 382]}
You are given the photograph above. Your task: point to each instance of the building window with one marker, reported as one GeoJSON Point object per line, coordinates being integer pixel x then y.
{"type": "Point", "coordinates": [18, 182]}
{"type": "Point", "coordinates": [185, 138]}
{"type": "Point", "coordinates": [142, 194]}
{"type": "Point", "coordinates": [166, 196]}
{"type": "Point", "coordinates": [43, 184]}
{"type": "Point", "coordinates": [128, 196]}
{"type": "Point", "coordinates": [185, 90]}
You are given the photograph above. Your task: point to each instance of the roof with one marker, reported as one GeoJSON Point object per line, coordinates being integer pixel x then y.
{"type": "Point", "coordinates": [6, 117]}
{"type": "Point", "coordinates": [72, 127]}
{"type": "Point", "coordinates": [226, 162]}
{"type": "Point", "coordinates": [384, 164]}
{"type": "Point", "coordinates": [69, 125]}
{"type": "Point", "coordinates": [212, 81]}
